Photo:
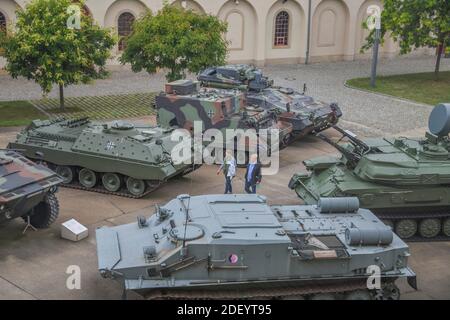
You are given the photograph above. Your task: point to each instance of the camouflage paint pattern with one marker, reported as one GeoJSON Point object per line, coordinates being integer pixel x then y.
{"type": "Point", "coordinates": [23, 184]}
{"type": "Point", "coordinates": [220, 109]}
{"type": "Point", "coordinates": [304, 113]}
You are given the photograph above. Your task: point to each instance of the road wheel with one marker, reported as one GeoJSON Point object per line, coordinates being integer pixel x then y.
{"type": "Point", "coordinates": [406, 228]}
{"type": "Point", "coordinates": [111, 181]}
{"type": "Point", "coordinates": [429, 228]}
{"type": "Point", "coordinates": [358, 295]}
{"type": "Point", "coordinates": [135, 186]}
{"type": "Point", "coordinates": [45, 213]}
{"type": "Point", "coordinates": [446, 227]}
{"type": "Point", "coordinates": [66, 173]}
{"type": "Point", "coordinates": [87, 178]}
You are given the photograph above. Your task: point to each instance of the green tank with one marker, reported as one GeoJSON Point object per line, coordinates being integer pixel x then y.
{"type": "Point", "coordinates": [117, 157]}
{"type": "Point", "coordinates": [403, 181]}
{"type": "Point", "coordinates": [27, 190]}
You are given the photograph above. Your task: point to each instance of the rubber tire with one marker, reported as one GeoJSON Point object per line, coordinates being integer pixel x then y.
{"type": "Point", "coordinates": [45, 213]}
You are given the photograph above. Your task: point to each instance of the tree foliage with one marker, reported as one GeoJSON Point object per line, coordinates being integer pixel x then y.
{"type": "Point", "coordinates": [415, 24]}
{"type": "Point", "coordinates": [175, 39]}
{"type": "Point", "coordinates": [42, 47]}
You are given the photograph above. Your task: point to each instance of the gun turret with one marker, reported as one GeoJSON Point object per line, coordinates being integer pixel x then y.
{"type": "Point", "coordinates": [352, 157]}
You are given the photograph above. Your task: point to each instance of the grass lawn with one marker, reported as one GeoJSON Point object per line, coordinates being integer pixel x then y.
{"type": "Point", "coordinates": [18, 113]}
{"type": "Point", "coordinates": [101, 107]}
{"type": "Point", "coordinates": [420, 87]}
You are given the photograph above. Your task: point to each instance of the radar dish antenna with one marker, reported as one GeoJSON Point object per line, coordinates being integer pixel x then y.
{"type": "Point", "coordinates": [439, 120]}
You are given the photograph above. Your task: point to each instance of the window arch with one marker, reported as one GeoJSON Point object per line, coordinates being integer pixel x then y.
{"type": "Point", "coordinates": [281, 37]}
{"type": "Point", "coordinates": [124, 28]}
{"type": "Point", "coordinates": [2, 22]}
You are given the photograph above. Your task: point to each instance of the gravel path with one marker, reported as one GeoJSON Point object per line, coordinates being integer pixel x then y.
{"type": "Point", "coordinates": [366, 113]}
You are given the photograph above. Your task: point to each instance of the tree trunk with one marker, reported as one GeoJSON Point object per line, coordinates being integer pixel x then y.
{"type": "Point", "coordinates": [61, 96]}
{"type": "Point", "coordinates": [438, 60]}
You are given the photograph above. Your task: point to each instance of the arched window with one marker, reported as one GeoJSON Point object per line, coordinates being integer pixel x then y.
{"type": "Point", "coordinates": [124, 28]}
{"type": "Point", "coordinates": [2, 22]}
{"type": "Point", "coordinates": [281, 29]}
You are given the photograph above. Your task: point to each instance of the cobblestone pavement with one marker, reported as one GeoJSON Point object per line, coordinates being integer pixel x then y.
{"type": "Point", "coordinates": [366, 113]}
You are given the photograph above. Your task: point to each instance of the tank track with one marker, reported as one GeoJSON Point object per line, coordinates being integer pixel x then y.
{"type": "Point", "coordinates": [395, 216]}
{"type": "Point", "coordinates": [123, 192]}
{"type": "Point", "coordinates": [99, 189]}
{"type": "Point", "coordinates": [269, 293]}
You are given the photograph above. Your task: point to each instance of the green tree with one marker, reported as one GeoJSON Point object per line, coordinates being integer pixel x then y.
{"type": "Point", "coordinates": [54, 45]}
{"type": "Point", "coordinates": [416, 23]}
{"type": "Point", "coordinates": [175, 39]}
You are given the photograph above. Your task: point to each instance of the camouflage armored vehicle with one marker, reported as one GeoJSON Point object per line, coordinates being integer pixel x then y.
{"type": "Point", "coordinates": [27, 190]}
{"type": "Point", "coordinates": [403, 181]}
{"type": "Point", "coordinates": [115, 158]}
{"type": "Point", "coordinates": [237, 246]}
{"type": "Point", "coordinates": [183, 103]}
{"type": "Point", "coordinates": [303, 112]}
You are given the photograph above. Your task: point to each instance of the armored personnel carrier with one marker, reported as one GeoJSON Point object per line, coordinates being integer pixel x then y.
{"type": "Point", "coordinates": [403, 181]}
{"type": "Point", "coordinates": [304, 113]}
{"type": "Point", "coordinates": [237, 246]}
{"type": "Point", "coordinates": [183, 103]}
{"type": "Point", "coordinates": [116, 158]}
{"type": "Point", "coordinates": [27, 190]}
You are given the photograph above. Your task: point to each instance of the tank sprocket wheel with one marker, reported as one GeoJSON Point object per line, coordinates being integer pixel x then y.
{"type": "Point", "coordinates": [135, 186]}
{"type": "Point", "coordinates": [66, 172]}
{"type": "Point", "coordinates": [358, 295]}
{"type": "Point", "coordinates": [45, 213]}
{"type": "Point", "coordinates": [429, 228]}
{"type": "Point", "coordinates": [87, 178]}
{"type": "Point", "coordinates": [446, 227]}
{"type": "Point", "coordinates": [406, 228]}
{"type": "Point", "coordinates": [111, 181]}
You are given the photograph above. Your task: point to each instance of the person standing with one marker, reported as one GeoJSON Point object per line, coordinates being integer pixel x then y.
{"type": "Point", "coordinates": [253, 174]}
{"type": "Point", "coordinates": [229, 170]}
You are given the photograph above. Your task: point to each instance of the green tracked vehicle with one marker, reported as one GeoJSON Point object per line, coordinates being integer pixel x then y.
{"type": "Point", "coordinates": [117, 158]}
{"type": "Point", "coordinates": [405, 182]}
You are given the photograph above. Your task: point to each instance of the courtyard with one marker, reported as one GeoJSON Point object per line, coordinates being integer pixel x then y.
{"type": "Point", "coordinates": [33, 266]}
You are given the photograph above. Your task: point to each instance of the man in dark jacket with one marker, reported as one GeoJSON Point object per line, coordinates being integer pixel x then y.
{"type": "Point", "coordinates": [253, 174]}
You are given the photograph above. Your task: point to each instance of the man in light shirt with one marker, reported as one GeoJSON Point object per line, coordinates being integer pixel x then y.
{"type": "Point", "coordinates": [229, 170]}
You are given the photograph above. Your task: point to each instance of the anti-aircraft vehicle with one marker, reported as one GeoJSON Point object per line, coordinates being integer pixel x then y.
{"type": "Point", "coordinates": [404, 181]}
